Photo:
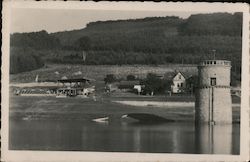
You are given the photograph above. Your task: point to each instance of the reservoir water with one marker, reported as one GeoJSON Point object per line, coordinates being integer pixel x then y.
{"type": "Point", "coordinates": [173, 137]}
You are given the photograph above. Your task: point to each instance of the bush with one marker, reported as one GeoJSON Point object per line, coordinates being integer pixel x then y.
{"type": "Point", "coordinates": [131, 77]}
{"type": "Point", "coordinates": [110, 78]}
{"type": "Point", "coordinates": [156, 85]}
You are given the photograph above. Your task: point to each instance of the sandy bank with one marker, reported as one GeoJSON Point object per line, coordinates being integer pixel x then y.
{"type": "Point", "coordinates": [34, 84]}
{"type": "Point", "coordinates": [157, 104]}
{"type": "Point", "coordinates": [162, 104]}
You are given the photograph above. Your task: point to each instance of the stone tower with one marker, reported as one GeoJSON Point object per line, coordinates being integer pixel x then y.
{"type": "Point", "coordinates": [213, 97]}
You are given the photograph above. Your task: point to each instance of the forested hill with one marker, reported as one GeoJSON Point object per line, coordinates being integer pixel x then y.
{"type": "Point", "coordinates": [153, 40]}
{"type": "Point", "coordinates": [121, 32]}
{"type": "Point", "coordinates": [158, 28]}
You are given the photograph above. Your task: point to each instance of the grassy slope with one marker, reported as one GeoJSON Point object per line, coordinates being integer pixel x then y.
{"type": "Point", "coordinates": [97, 72]}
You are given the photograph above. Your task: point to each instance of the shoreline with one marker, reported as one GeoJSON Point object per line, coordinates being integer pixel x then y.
{"type": "Point", "coordinates": [52, 108]}
{"type": "Point", "coordinates": [163, 104]}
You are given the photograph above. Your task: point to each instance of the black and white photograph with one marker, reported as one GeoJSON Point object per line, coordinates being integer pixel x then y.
{"type": "Point", "coordinates": [117, 80]}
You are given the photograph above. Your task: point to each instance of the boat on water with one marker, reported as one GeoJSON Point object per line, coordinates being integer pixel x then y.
{"type": "Point", "coordinates": [101, 120]}
{"type": "Point", "coordinates": [145, 118]}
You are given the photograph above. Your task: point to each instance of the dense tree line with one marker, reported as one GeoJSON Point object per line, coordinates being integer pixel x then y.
{"type": "Point", "coordinates": [35, 40]}
{"type": "Point", "coordinates": [213, 24]}
{"type": "Point", "coordinates": [143, 20]}
{"type": "Point", "coordinates": [154, 40]}
{"type": "Point", "coordinates": [24, 59]}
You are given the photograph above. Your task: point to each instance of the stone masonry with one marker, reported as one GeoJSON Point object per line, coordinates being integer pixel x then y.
{"type": "Point", "coordinates": [213, 97]}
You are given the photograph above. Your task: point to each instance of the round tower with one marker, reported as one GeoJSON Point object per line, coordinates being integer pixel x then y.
{"type": "Point", "coordinates": [213, 97]}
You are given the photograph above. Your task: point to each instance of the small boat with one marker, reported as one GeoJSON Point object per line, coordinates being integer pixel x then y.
{"type": "Point", "coordinates": [146, 118]}
{"type": "Point", "coordinates": [126, 119]}
{"type": "Point", "coordinates": [101, 120]}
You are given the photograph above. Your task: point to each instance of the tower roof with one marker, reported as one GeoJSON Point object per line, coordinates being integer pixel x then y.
{"type": "Point", "coordinates": [215, 62]}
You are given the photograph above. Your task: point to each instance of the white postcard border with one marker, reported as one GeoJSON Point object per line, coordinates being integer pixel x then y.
{"type": "Point", "coordinates": [10, 155]}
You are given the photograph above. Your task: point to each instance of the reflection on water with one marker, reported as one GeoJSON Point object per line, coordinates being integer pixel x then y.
{"type": "Point", "coordinates": [91, 136]}
{"type": "Point", "coordinates": [215, 139]}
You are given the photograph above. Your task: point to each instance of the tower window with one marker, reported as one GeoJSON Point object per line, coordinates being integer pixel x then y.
{"type": "Point", "coordinates": [213, 81]}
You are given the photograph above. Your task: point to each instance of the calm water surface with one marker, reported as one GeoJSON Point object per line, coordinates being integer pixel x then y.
{"type": "Point", "coordinates": [124, 137]}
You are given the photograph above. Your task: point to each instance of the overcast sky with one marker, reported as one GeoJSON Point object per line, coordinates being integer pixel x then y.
{"type": "Point", "coordinates": [54, 20]}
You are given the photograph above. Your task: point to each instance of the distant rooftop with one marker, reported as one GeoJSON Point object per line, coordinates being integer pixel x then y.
{"type": "Point", "coordinates": [186, 74]}
{"type": "Point", "coordinates": [75, 80]}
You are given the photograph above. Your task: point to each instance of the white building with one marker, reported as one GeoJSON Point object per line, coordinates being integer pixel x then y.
{"type": "Point", "coordinates": [179, 83]}
{"type": "Point", "coordinates": [138, 88]}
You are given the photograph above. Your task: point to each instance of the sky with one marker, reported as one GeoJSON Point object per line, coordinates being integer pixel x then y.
{"type": "Point", "coordinates": [54, 20]}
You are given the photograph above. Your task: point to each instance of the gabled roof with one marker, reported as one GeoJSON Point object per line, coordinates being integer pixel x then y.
{"type": "Point", "coordinates": [182, 74]}
{"type": "Point", "coordinates": [170, 75]}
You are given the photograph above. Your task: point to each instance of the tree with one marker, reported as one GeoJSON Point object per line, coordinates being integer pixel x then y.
{"type": "Point", "coordinates": [152, 83]}
{"type": "Point", "coordinates": [191, 84]}
{"type": "Point", "coordinates": [166, 85]}
{"type": "Point", "coordinates": [24, 60]}
{"type": "Point", "coordinates": [83, 43]}
{"type": "Point", "coordinates": [130, 77]}
{"type": "Point", "coordinates": [110, 78]}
